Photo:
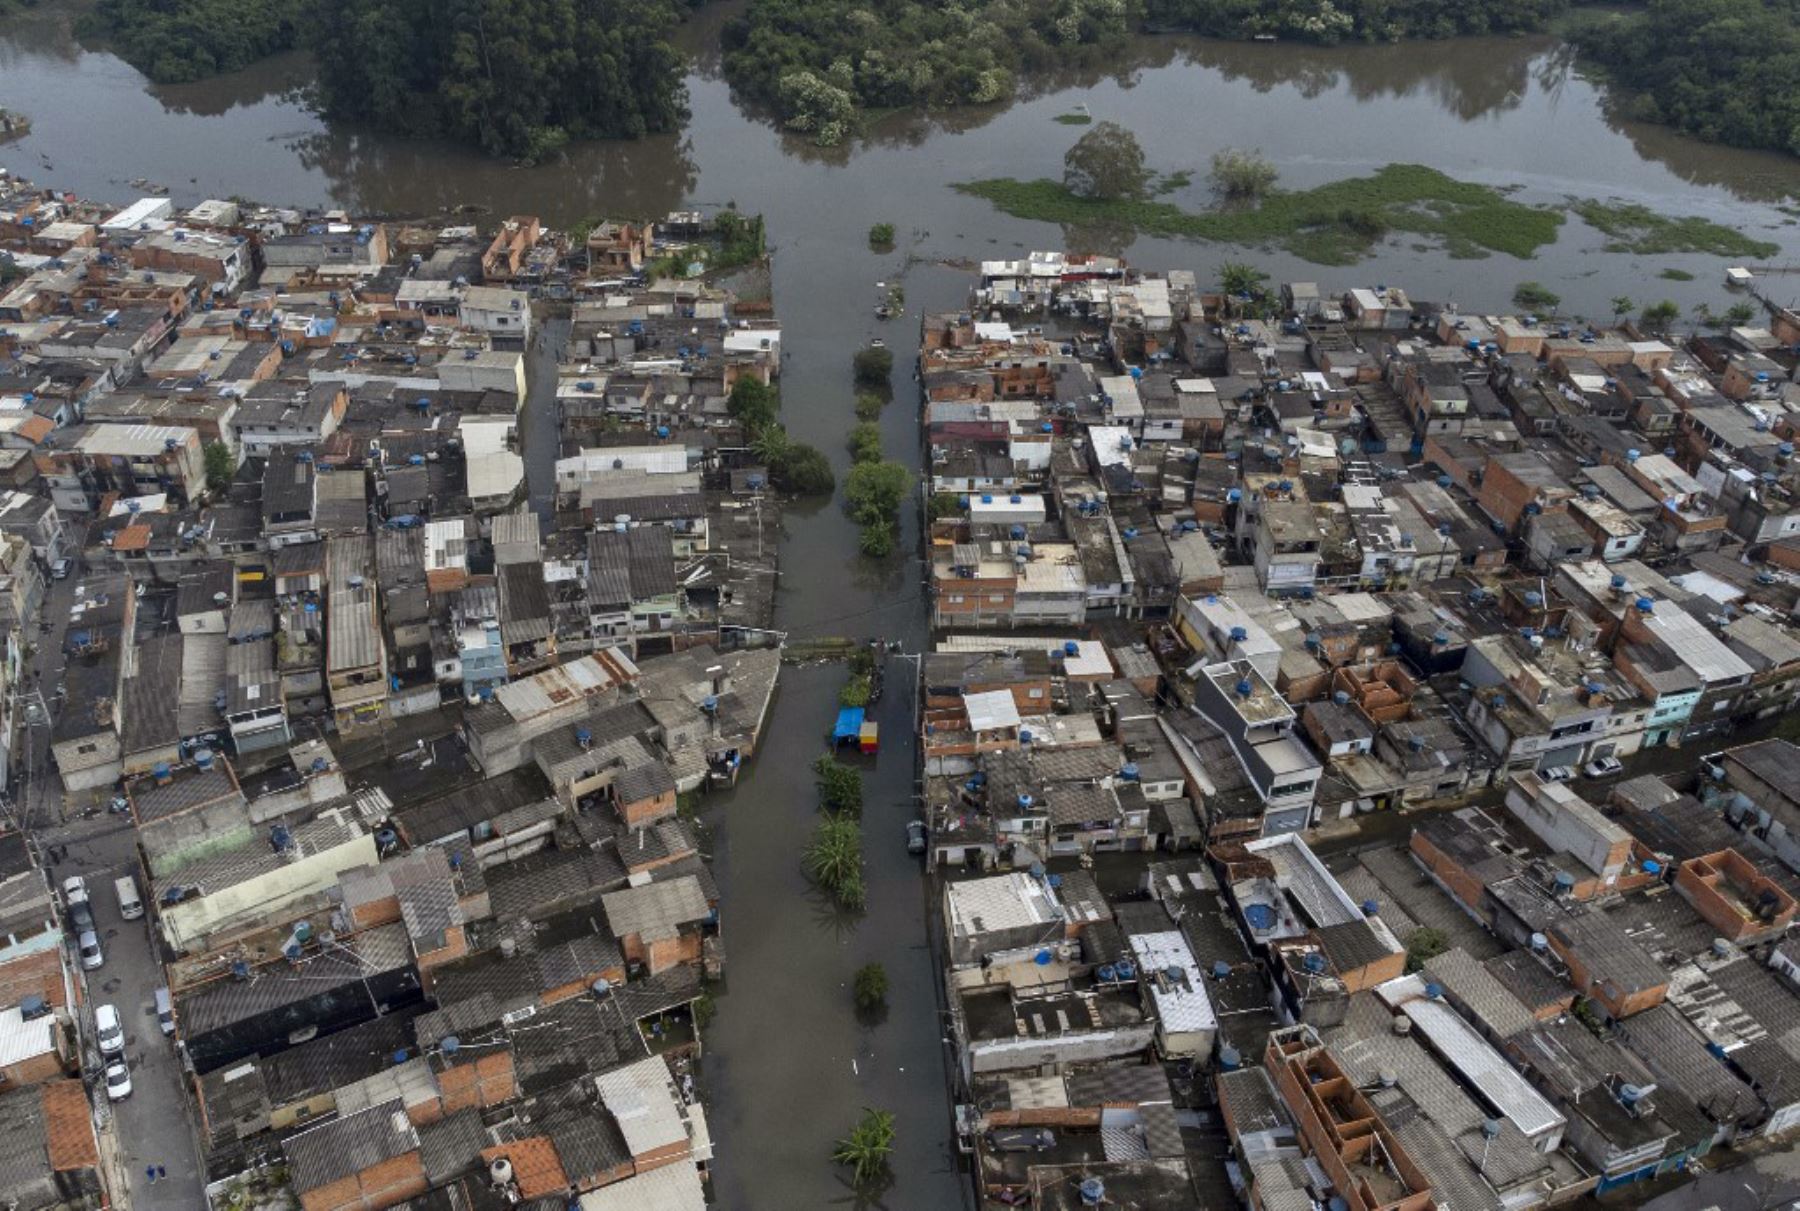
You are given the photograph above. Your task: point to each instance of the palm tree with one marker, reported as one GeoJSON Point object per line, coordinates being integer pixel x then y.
{"type": "Point", "coordinates": [834, 859]}
{"type": "Point", "coordinates": [770, 445]}
{"type": "Point", "coordinates": [867, 1147]}
{"type": "Point", "coordinates": [1622, 305]}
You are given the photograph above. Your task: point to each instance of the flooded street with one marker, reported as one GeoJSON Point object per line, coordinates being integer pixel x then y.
{"type": "Point", "coordinates": [789, 1064]}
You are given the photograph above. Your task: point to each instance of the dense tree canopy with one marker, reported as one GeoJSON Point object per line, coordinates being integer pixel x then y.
{"type": "Point", "coordinates": [1726, 70]}
{"type": "Point", "coordinates": [516, 77]}
{"type": "Point", "coordinates": [173, 41]}
{"type": "Point", "coordinates": [1342, 20]}
{"type": "Point", "coordinates": [1106, 163]}
{"type": "Point", "coordinates": [820, 61]}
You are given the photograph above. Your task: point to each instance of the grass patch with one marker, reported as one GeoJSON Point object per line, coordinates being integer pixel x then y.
{"type": "Point", "coordinates": [1074, 119]}
{"type": "Point", "coordinates": [1171, 182]}
{"type": "Point", "coordinates": [1633, 228]}
{"type": "Point", "coordinates": [1333, 224]}
{"type": "Point", "coordinates": [1676, 275]}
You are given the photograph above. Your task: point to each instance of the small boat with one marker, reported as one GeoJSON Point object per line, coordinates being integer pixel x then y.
{"type": "Point", "coordinates": [884, 312]}
{"type": "Point", "coordinates": [1263, 38]}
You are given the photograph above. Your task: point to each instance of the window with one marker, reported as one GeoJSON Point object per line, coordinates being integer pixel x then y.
{"type": "Point", "coordinates": [87, 748]}
{"type": "Point", "coordinates": [956, 599]}
{"type": "Point", "coordinates": [1291, 788]}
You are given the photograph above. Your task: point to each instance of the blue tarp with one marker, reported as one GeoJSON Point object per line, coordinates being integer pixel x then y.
{"type": "Point", "coordinates": [849, 723]}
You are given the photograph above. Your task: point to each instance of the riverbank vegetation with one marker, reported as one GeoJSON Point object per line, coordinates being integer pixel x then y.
{"type": "Point", "coordinates": [517, 78]}
{"type": "Point", "coordinates": [175, 41]}
{"type": "Point", "coordinates": [1725, 70]}
{"type": "Point", "coordinates": [1331, 21]}
{"type": "Point", "coordinates": [821, 63]}
{"type": "Point", "coordinates": [1340, 222]}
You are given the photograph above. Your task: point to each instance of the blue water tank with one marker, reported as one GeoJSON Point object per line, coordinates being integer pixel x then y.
{"type": "Point", "coordinates": [1259, 916]}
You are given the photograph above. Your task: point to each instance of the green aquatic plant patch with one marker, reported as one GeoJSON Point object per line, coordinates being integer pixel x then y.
{"type": "Point", "coordinates": [1340, 222]}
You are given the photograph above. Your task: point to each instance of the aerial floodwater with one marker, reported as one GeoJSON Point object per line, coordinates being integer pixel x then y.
{"type": "Point", "coordinates": [788, 1062]}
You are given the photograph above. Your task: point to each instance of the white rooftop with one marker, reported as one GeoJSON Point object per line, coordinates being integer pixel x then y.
{"type": "Point", "coordinates": [1697, 647]}
{"type": "Point", "coordinates": [1174, 979]}
{"type": "Point", "coordinates": [1483, 1068]}
{"type": "Point", "coordinates": [1010, 901]}
{"type": "Point", "coordinates": [669, 1188]}
{"type": "Point", "coordinates": [1090, 658]}
{"type": "Point", "coordinates": [992, 710]}
{"type": "Point", "coordinates": [641, 1097]}
{"type": "Point", "coordinates": [21, 1040]}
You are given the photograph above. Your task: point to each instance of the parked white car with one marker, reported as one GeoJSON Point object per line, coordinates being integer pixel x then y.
{"type": "Point", "coordinates": [1603, 767]}
{"type": "Point", "coordinates": [118, 1080]}
{"type": "Point", "coordinates": [110, 1031]}
{"type": "Point", "coordinates": [88, 944]}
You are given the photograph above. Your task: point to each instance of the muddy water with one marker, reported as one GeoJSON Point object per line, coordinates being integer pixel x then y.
{"type": "Point", "coordinates": [789, 1062]}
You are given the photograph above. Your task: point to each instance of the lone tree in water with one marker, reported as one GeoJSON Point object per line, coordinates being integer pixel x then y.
{"type": "Point", "coordinates": [866, 1148]}
{"type": "Point", "coordinates": [871, 987]}
{"type": "Point", "coordinates": [1106, 164]}
{"type": "Point", "coordinates": [1242, 174]}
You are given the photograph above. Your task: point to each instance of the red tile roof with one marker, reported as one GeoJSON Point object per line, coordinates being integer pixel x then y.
{"type": "Point", "coordinates": [68, 1127]}
{"type": "Point", "coordinates": [536, 1167]}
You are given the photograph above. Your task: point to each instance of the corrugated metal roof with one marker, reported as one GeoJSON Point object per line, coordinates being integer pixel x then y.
{"type": "Point", "coordinates": [203, 664]}
{"type": "Point", "coordinates": [1697, 647]}
{"type": "Point", "coordinates": [670, 1188]}
{"type": "Point", "coordinates": [20, 1039]}
{"type": "Point", "coordinates": [349, 1145]}
{"type": "Point", "coordinates": [641, 1097]}
{"type": "Point", "coordinates": [656, 910]}
{"type": "Point", "coordinates": [353, 634]}
{"type": "Point", "coordinates": [1483, 1067]}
